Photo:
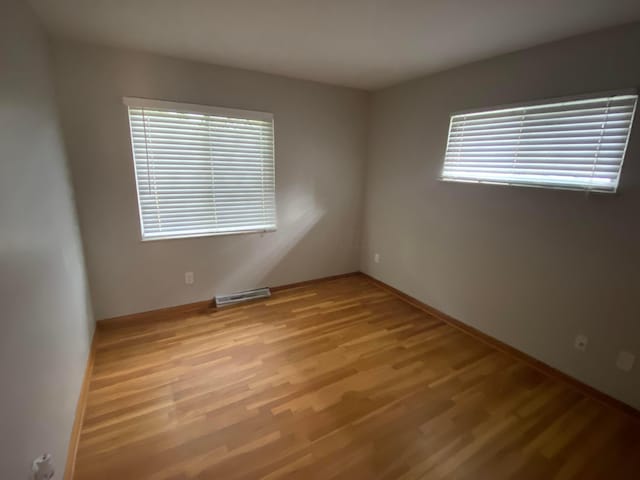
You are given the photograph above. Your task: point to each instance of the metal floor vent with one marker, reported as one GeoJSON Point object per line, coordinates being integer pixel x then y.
{"type": "Point", "coordinates": [222, 300]}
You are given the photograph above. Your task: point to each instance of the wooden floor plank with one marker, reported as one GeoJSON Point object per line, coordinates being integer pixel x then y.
{"type": "Point", "coordinates": [331, 380]}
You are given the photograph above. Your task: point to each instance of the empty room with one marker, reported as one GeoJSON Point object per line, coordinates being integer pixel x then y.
{"type": "Point", "coordinates": [319, 239]}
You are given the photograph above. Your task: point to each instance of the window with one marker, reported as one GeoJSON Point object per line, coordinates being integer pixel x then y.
{"type": "Point", "coordinates": [575, 144]}
{"type": "Point", "coordinates": [201, 170]}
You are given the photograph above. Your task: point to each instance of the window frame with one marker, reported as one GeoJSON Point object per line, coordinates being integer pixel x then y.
{"type": "Point", "coordinates": [534, 103]}
{"type": "Point", "coordinates": [181, 107]}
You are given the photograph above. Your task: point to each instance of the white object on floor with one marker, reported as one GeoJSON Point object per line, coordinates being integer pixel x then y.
{"type": "Point", "coordinates": [42, 467]}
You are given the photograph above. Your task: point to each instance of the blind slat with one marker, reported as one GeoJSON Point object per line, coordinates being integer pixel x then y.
{"type": "Point", "coordinates": [202, 174]}
{"type": "Point", "coordinates": [577, 144]}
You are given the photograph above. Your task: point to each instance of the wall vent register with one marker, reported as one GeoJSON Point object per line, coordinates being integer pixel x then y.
{"type": "Point", "coordinates": [202, 170]}
{"type": "Point", "coordinates": [576, 144]}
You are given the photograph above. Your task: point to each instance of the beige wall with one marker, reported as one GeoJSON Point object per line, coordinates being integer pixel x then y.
{"type": "Point", "coordinates": [530, 267]}
{"type": "Point", "coordinates": [320, 152]}
{"type": "Point", "coordinates": [46, 321]}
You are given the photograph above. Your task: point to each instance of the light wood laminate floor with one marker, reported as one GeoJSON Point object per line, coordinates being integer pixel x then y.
{"type": "Point", "coordinates": [335, 380]}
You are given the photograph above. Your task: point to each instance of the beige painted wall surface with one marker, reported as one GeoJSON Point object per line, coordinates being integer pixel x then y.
{"type": "Point", "coordinates": [530, 267]}
{"type": "Point", "coordinates": [46, 321]}
{"type": "Point", "coordinates": [320, 152]}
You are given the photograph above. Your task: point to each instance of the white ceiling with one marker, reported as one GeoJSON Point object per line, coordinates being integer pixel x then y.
{"type": "Point", "coordinates": [360, 43]}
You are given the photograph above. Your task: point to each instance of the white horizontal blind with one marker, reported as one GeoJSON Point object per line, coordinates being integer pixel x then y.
{"type": "Point", "coordinates": [577, 144]}
{"type": "Point", "coordinates": [202, 170]}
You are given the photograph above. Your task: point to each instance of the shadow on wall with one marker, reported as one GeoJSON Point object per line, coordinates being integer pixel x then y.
{"type": "Point", "coordinates": [46, 331]}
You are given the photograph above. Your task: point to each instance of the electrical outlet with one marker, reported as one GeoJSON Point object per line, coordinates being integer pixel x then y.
{"type": "Point", "coordinates": [581, 342]}
{"type": "Point", "coordinates": [188, 278]}
{"type": "Point", "coordinates": [625, 361]}
{"type": "Point", "coordinates": [376, 257]}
